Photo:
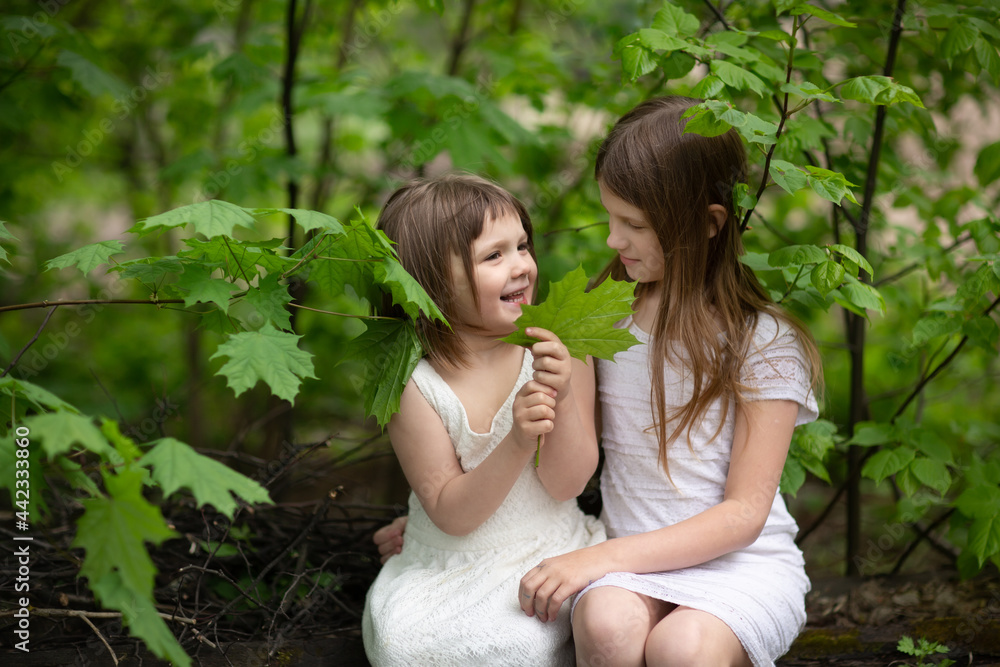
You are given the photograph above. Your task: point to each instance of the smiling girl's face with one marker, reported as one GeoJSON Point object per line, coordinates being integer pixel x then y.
{"type": "Point", "coordinates": [504, 277]}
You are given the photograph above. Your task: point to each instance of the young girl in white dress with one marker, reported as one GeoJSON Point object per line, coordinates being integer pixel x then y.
{"type": "Point", "coordinates": [701, 566]}
{"type": "Point", "coordinates": [480, 513]}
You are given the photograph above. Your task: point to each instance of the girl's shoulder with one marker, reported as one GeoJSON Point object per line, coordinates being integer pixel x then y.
{"type": "Point", "coordinates": [772, 331]}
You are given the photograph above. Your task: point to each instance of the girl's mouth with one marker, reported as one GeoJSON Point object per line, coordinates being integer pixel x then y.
{"type": "Point", "coordinates": [514, 297]}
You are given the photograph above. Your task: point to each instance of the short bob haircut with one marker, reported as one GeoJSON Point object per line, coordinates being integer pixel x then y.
{"type": "Point", "coordinates": [430, 220]}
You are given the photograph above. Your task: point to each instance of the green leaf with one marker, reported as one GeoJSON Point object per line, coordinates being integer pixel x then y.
{"type": "Point", "coordinates": [239, 259]}
{"type": "Point", "coordinates": [793, 476]}
{"type": "Point", "coordinates": [738, 78]}
{"type": "Point", "coordinates": [932, 473]}
{"type": "Point", "coordinates": [388, 351]}
{"type": "Point", "coordinates": [983, 331]}
{"type": "Point", "coordinates": [113, 529]}
{"type": "Point", "coordinates": [808, 91]}
{"type": "Point", "coordinates": [176, 465]}
{"type": "Point", "coordinates": [988, 59]}
{"type": "Point", "coordinates": [140, 615]}
{"type": "Point", "coordinates": [211, 218]}
{"type": "Point", "coordinates": [796, 255]}
{"type": "Point", "coordinates": [270, 298]}
{"type": "Point", "coordinates": [789, 178]}
{"type": "Point", "coordinates": [93, 79]}
{"type": "Point", "coordinates": [5, 236]}
{"type": "Point", "coordinates": [150, 270]}
{"type": "Point", "coordinates": [40, 397]}
{"type": "Point", "coordinates": [197, 281]}
{"type": "Point", "coordinates": [878, 89]}
{"type": "Point", "coordinates": [860, 295]}
{"type": "Point", "coordinates": [987, 167]}
{"type": "Point", "coordinates": [887, 462]}
{"type": "Point", "coordinates": [637, 61]}
{"type": "Point", "coordinates": [307, 220]}
{"type": "Point", "coordinates": [59, 431]}
{"type": "Point", "coordinates": [87, 258]}
{"type": "Point", "coordinates": [350, 259]}
{"type": "Point", "coordinates": [959, 38]}
{"type": "Point", "coordinates": [583, 321]}
{"type": "Point", "coordinates": [934, 326]}
{"type": "Point", "coordinates": [853, 256]}
{"type": "Point", "coordinates": [406, 291]}
{"type": "Point", "coordinates": [125, 446]}
{"type": "Point", "coordinates": [984, 537]}
{"type": "Point", "coordinates": [269, 355]}
{"type": "Point", "coordinates": [872, 433]}
{"type": "Point", "coordinates": [830, 185]}
{"type": "Point", "coordinates": [820, 13]}
{"type": "Point", "coordinates": [673, 20]}
{"type": "Point", "coordinates": [827, 276]}
{"type": "Point", "coordinates": [979, 501]}
{"type": "Point", "coordinates": [704, 119]}
{"type": "Point", "coordinates": [658, 40]}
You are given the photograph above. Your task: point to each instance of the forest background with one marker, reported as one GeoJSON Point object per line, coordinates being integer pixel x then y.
{"type": "Point", "coordinates": [195, 182]}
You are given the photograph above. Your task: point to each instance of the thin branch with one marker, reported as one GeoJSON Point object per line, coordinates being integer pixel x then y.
{"type": "Point", "coordinates": [718, 14]}
{"type": "Point", "coordinates": [23, 67]}
{"type": "Point", "coordinates": [781, 126]}
{"type": "Point", "coordinates": [330, 312]}
{"type": "Point", "coordinates": [916, 265]}
{"type": "Point", "coordinates": [461, 39]}
{"type": "Point", "coordinates": [924, 534]}
{"type": "Point", "coordinates": [803, 534]}
{"type": "Point", "coordinates": [85, 302]}
{"type": "Point", "coordinates": [31, 342]}
{"type": "Point", "coordinates": [940, 367]}
{"type": "Point", "coordinates": [576, 230]}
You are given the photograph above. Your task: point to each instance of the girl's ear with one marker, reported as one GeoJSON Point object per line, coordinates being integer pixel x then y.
{"type": "Point", "coordinates": [717, 214]}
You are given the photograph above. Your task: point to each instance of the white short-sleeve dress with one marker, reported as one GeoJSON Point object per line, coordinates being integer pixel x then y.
{"type": "Point", "coordinates": [758, 591]}
{"type": "Point", "coordinates": [449, 600]}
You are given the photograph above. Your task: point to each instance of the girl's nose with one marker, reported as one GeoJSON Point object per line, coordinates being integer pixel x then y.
{"type": "Point", "coordinates": [615, 241]}
{"type": "Point", "coordinates": [522, 265]}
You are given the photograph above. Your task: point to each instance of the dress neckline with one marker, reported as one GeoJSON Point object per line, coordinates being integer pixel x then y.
{"type": "Point", "coordinates": [502, 408]}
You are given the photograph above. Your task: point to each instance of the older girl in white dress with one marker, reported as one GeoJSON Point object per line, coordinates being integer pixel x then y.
{"type": "Point", "coordinates": [701, 566]}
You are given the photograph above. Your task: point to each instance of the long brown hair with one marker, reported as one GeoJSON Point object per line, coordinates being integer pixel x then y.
{"type": "Point", "coordinates": [673, 177]}
{"type": "Point", "coordinates": [430, 220]}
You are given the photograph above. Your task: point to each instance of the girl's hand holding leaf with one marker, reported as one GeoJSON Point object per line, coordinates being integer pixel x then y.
{"type": "Point", "coordinates": [534, 414]}
{"type": "Point", "coordinates": [553, 365]}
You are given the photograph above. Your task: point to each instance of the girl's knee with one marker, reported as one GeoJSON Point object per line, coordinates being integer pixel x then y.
{"type": "Point", "coordinates": [610, 627]}
{"type": "Point", "coordinates": [691, 639]}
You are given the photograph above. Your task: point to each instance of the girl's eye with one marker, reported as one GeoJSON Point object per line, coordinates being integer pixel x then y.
{"type": "Point", "coordinates": [523, 247]}
{"type": "Point", "coordinates": [493, 255]}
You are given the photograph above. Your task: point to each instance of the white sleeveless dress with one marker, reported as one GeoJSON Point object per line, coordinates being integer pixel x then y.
{"type": "Point", "coordinates": [759, 591]}
{"type": "Point", "coordinates": [449, 600]}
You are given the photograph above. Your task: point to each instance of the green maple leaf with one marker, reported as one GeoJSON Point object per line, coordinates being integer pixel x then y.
{"type": "Point", "coordinates": [406, 291]}
{"type": "Point", "coordinates": [140, 615]}
{"type": "Point", "coordinates": [582, 320]}
{"type": "Point", "coordinates": [266, 354]}
{"type": "Point", "coordinates": [59, 431]}
{"type": "Point", "coordinates": [87, 258]}
{"type": "Point", "coordinates": [350, 259]}
{"type": "Point", "coordinates": [308, 220]}
{"type": "Point", "coordinates": [113, 529]}
{"type": "Point", "coordinates": [210, 218]}
{"type": "Point", "coordinates": [269, 299]}
{"type": "Point", "coordinates": [176, 465]}
{"type": "Point", "coordinates": [389, 351]}
{"type": "Point", "coordinates": [7, 236]}
{"type": "Point", "coordinates": [202, 288]}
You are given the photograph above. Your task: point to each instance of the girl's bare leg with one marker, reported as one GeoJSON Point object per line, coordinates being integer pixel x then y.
{"type": "Point", "coordinates": [610, 626]}
{"type": "Point", "coordinates": [690, 638]}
